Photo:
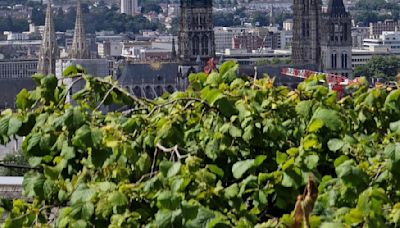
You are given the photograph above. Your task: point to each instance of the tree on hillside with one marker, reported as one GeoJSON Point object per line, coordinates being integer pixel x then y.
{"type": "Point", "coordinates": [260, 19]}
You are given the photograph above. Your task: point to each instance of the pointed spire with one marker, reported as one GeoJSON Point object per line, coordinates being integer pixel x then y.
{"type": "Point", "coordinates": [336, 8]}
{"type": "Point", "coordinates": [79, 49]}
{"type": "Point", "coordinates": [173, 54]}
{"type": "Point", "coordinates": [49, 49]}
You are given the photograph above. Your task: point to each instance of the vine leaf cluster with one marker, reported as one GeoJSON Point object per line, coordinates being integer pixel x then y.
{"type": "Point", "coordinates": [230, 151]}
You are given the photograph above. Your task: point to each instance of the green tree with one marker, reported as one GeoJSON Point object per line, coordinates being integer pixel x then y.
{"type": "Point", "coordinates": [379, 67]}
{"type": "Point", "coordinates": [260, 19]}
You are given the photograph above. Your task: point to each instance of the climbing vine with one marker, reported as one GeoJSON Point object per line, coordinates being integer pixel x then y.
{"type": "Point", "coordinates": [230, 151]}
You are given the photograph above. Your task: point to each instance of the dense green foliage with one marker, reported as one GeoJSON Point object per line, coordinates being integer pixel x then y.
{"type": "Point", "coordinates": [13, 24]}
{"type": "Point", "coordinates": [370, 11]}
{"type": "Point", "coordinates": [379, 67]}
{"type": "Point", "coordinates": [97, 18]}
{"type": "Point", "coordinates": [228, 152]}
{"type": "Point", "coordinates": [232, 19]}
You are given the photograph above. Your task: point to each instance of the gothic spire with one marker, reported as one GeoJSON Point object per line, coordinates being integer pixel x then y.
{"type": "Point", "coordinates": [79, 49]}
{"type": "Point", "coordinates": [49, 49]}
{"type": "Point", "coordinates": [336, 8]}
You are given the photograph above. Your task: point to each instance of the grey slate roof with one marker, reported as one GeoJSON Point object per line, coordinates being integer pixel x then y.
{"type": "Point", "coordinates": [139, 74]}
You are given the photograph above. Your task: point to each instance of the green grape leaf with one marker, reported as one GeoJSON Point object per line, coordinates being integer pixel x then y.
{"type": "Point", "coordinates": [240, 167]}
{"type": "Point", "coordinates": [335, 144]}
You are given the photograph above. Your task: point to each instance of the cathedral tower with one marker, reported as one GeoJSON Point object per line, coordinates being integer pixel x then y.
{"type": "Point", "coordinates": [49, 50]}
{"type": "Point", "coordinates": [79, 49]}
{"type": "Point", "coordinates": [196, 34]}
{"type": "Point", "coordinates": [336, 40]}
{"type": "Point", "coordinates": [306, 32]}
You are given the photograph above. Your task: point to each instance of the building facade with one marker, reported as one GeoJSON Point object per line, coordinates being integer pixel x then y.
{"type": "Point", "coordinates": [322, 38]}
{"type": "Point", "coordinates": [196, 35]}
{"type": "Point", "coordinates": [358, 34]}
{"type": "Point", "coordinates": [376, 29]}
{"type": "Point", "coordinates": [306, 32]}
{"type": "Point", "coordinates": [18, 69]}
{"type": "Point", "coordinates": [247, 41]}
{"type": "Point", "coordinates": [224, 35]}
{"type": "Point", "coordinates": [389, 41]}
{"type": "Point", "coordinates": [129, 7]}
{"type": "Point", "coordinates": [336, 43]}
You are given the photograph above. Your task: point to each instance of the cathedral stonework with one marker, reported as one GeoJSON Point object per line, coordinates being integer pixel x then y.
{"type": "Point", "coordinates": [322, 39]}
{"type": "Point", "coordinates": [306, 33]}
{"type": "Point", "coordinates": [336, 40]}
{"type": "Point", "coordinates": [49, 50]}
{"type": "Point", "coordinates": [196, 33]}
{"type": "Point", "coordinates": [79, 49]}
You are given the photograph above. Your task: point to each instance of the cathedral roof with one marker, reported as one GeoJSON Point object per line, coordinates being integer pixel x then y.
{"type": "Point", "coordinates": [336, 8]}
{"type": "Point", "coordinates": [9, 89]}
{"type": "Point", "coordinates": [145, 73]}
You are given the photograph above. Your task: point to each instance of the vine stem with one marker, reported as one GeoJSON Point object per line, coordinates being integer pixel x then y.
{"type": "Point", "coordinates": [126, 93]}
{"type": "Point", "coordinates": [105, 97]}
{"type": "Point", "coordinates": [173, 151]}
{"type": "Point", "coordinates": [129, 111]}
{"type": "Point", "coordinates": [190, 99]}
{"type": "Point", "coordinates": [70, 87]}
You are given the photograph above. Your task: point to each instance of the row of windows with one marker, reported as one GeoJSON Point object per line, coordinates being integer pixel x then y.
{"type": "Point", "coordinates": [200, 46]}
{"type": "Point", "coordinates": [360, 60]}
{"type": "Point", "coordinates": [344, 61]}
{"type": "Point", "coordinates": [12, 70]}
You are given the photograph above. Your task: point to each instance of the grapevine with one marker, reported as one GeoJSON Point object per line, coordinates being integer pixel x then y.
{"type": "Point", "coordinates": [230, 151]}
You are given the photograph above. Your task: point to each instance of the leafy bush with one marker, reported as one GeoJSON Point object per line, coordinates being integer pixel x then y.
{"type": "Point", "coordinates": [227, 152]}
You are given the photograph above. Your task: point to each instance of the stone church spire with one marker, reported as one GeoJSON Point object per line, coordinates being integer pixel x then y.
{"type": "Point", "coordinates": [79, 49]}
{"type": "Point", "coordinates": [49, 50]}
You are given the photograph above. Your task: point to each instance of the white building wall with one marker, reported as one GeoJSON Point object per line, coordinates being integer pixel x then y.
{"type": "Point", "coordinates": [129, 7]}
{"type": "Point", "coordinates": [389, 41]}
{"type": "Point", "coordinates": [223, 36]}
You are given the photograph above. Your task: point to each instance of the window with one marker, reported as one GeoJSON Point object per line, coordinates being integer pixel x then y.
{"type": "Point", "coordinates": [204, 45]}
{"type": "Point", "coordinates": [334, 60]}
{"type": "Point", "coordinates": [196, 44]}
{"type": "Point", "coordinates": [343, 61]}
